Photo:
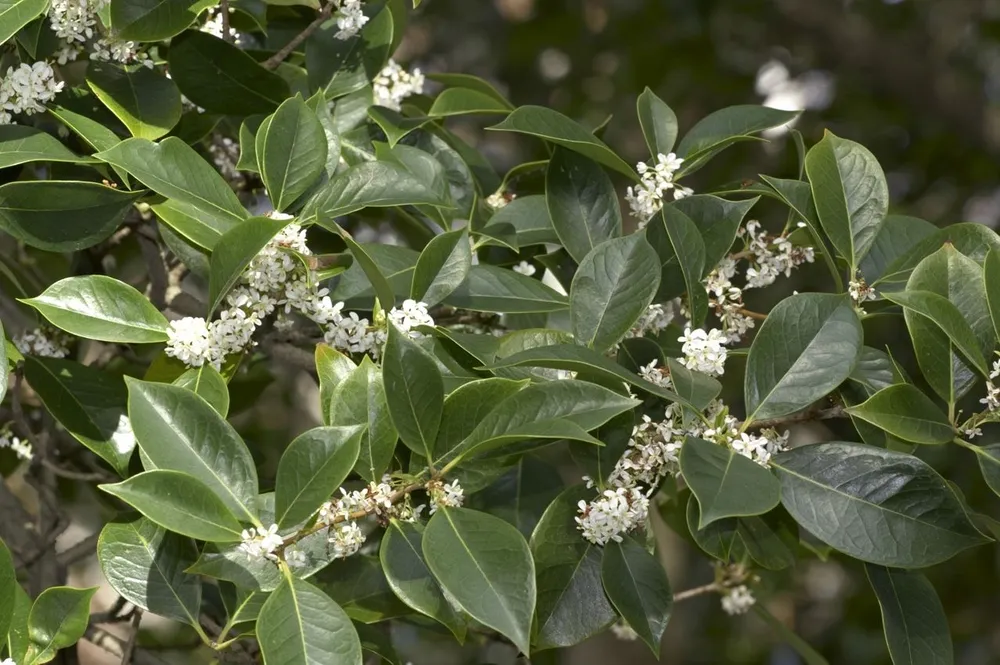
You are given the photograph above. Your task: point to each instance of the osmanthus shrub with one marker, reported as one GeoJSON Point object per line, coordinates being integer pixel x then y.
{"type": "Point", "coordinates": [492, 327]}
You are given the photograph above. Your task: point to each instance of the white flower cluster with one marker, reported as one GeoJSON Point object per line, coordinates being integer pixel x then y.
{"type": "Point", "coordinates": [259, 542]}
{"type": "Point", "coordinates": [21, 447]}
{"type": "Point", "coordinates": [274, 279]}
{"type": "Point", "coordinates": [738, 600]}
{"type": "Point", "coordinates": [525, 268]}
{"type": "Point", "coordinates": [646, 198]}
{"type": "Point", "coordinates": [109, 49]}
{"type": "Point", "coordinates": [499, 199]}
{"type": "Point", "coordinates": [26, 88]}
{"type": "Point", "coordinates": [704, 351]}
{"type": "Point", "coordinates": [37, 343]}
{"type": "Point", "coordinates": [346, 539]}
{"type": "Point", "coordinates": [992, 399]}
{"type": "Point", "coordinates": [613, 513]}
{"type": "Point", "coordinates": [443, 495]}
{"type": "Point", "coordinates": [653, 320]}
{"type": "Point", "coordinates": [214, 26]}
{"type": "Point", "coordinates": [394, 84]}
{"type": "Point", "coordinates": [74, 20]}
{"type": "Point", "coordinates": [860, 291]}
{"type": "Point", "coordinates": [350, 18]}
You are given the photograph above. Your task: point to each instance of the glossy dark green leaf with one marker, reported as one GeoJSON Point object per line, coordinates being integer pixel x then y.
{"type": "Point", "coordinates": [395, 125]}
{"type": "Point", "coordinates": [395, 263]}
{"type": "Point", "coordinates": [896, 237]}
{"type": "Point", "coordinates": [972, 240]}
{"type": "Point", "coordinates": [207, 383]}
{"type": "Point", "coordinates": [851, 195]}
{"type": "Point", "coordinates": [173, 169]}
{"type": "Point", "coordinates": [577, 358]}
{"type": "Point", "coordinates": [571, 602]}
{"type": "Point", "coordinates": [582, 203]}
{"type": "Point", "coordinates": [332, 368]}
{"type": "Point", "coordinates": [717, 220]}
{"type": "Point", "coordinates": [726, 483]}
{"type": "Point", "coordinates": [15, 14]}
{"type": "Point", "coordinates": [410, 578]}
{"type": "Point", "coordinates": [233, 253]}
{"type": "Point", "coordinates": [807, 346]}
{"type": "Point", "coordinates": [180, 503]}
{"type": "Point", "coordinates": [359, 585]}
{"type": "Point", "coordinates": [179, 431]}
{"type": "Point", "coordinates": [311, 469]}
{"type": "Point", "coordinates": [991, 278]}
{"type": "Point", "coordinates": [693, 387]}
{"type": "Point", "coordinates": [465, 101]}
{"type": "Point", "coordinates": [875, 370]}
{"type": "Point", "coordinates": [293, 152]}
{"type": "Point", "coordinates": [638, 587]}
{"type": "Point", "coordinates": [58, 619]}
{"type": "Point", "coordinates": [17, 636]}
{"type": "Point", "coordinates": [721, 129]}
{"type": "Point", "coordinates": [673, 234]}
{"type": "Point", "coordinates": [338, 67]}
{"type": "Point", "coordinates": [658, 122]}
{"type": "Point", "coordinates": [521, 494]}
{"type": "Point", "coordinates": [145, 564]}
{"type": "Point", "coordinates": [222, 78]}
{"type": "Point", "coordinates": [146, 101]}
{"type": "Point", "coordinates": [88, 402]}
{"type": "Point", "coordinates": [301, 625]}
{"type": "Point", "coordinates": [190, 223]}
{"type": "Point", "coordinates": [529, 217]}
{"type": "Point", "coordinates": [486, 566]}
{"type": "Point", "coordinates": [879, 506]}
{"type": "Point", "coordinates": [770, 541]}
{"type": "Point", "coordinates": [62, 216]}
{"type": "Point", "coordinates": [360, 399]}
{"type": "Point", "coordinates": [472, 83]}
{"type": "Point", "coordinates": [556, 128]}
{"type": "Point", "coordinates": [466, 407]}
{"type": "Point", "coordinates": [916, 628]}
{"type": "Point", "coordinates": [154, 20]}
{"type": "Point", "coordinates": [414, 392]}
{"type": "Point", "coordinates": [989, 464]}
{"type": "Point", "coordinates": [905, 412]}
{"type": "Point", "coordinates": [443, 265]}
{"type": "Point", "coordinates": [612, 288]}
{"type": "Point", "coordinates": [499, 290]}
{"type": "Point", "coordinates": [20, 144]}
{"type": "Point", "coordinates": [946, 317]}
{"type": "Point", "coordinates": [102, 308]}
{"type": "Point", "coordinates": [368, 185]}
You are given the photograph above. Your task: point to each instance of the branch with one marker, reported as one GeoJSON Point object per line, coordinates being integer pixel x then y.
{"type": "Point", "coordinates": [129, 647]}
{"type": "Point", "coordinates": [752, 314]}
{"type": "Point", "coordinates": [801, 417]}
{"type": "Point", "coordinates": [287, 49]}
{"type": "Point", "coordinates": [226, 32]}
{"type": "Point", "coordinates": [714, 587]}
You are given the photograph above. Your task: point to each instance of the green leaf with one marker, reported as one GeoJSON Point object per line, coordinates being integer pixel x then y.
{"type": "Point", "coordinates": [726, 483]}
{"type": "Point", "coordinates": [20, 144]}
{"type": "Point", "coordinates": [410, 578]}
{"type": "Point", "coordinates": [89, 403]}
{"type": "Point", "coordinates": [577, 358]}
{"type": "Point", "coordinates": [989, 464]}
{"type": "Point", "coordinates": [360, 587]}
{"type": "Point", "coordinates": [582, 203]}
{"type": "Point", "coordinates": [35, 212]}
{"type": "Point", "coordinates": [556, 409]}
{"type": "Point", "coordinates": [311, 469]}
{"type": "Point", "coordinates": [360, 399]}
{"type": "Point", "coordinates": [716, 219]}
{"type": "Point", "coordinates": [571, 602]}
{"type": "Point", "coordinates": [486, 566]}
{"type": "Point", "coordinates": [233, 253]}
{"type": "Point", "coordinates": [443, 265]}
{"type": "Point", "coordinates": [471, 82]}
{"type": "Point", "coordinates": [852, 197]}
{"type": "Point", "coordinates": [612, 288]}
{"type": "Point", "coordinates": [638, 587]}
{"type": "Point", "coordinates": [658, 122]}
{"type": "Point", "coordinates": [179, 431]}
{"type": "Point", "coordinates": [189, 222]}
{"type": "Point", "coordinates": [145, 564]}
{"type": "Point", "coordinates": [222, 78]}
{"type": "Point", "coordinates": [368, 185]}
{"type": "Point", "coordinates": [529, 217]}
{"type": "Point", "coordinates": [207, 383]}
{"type": "Point", "coordinates": [499, 290]}
{"type": "Point", "coordinates": [916, 628]}
{"type": "Point", "coordinates": [807, 346]}
{"type": "Point", "coordinates": [8, 588]}
{"type": "Point", "coordinates": [725, 127]}
{"type": "Point", "coordinates": [154, 20]}
{"type": "Point", "coordinates": [693, 387]}
{"type": "Point", "coordinates": [556, 128]}
{"type": "Point", "coordinates": [905, 412]}
{"type": "Point", "coordinates": [466, 407]}
{"type": "Point", "coordinates": [875, 370]}
{"type": "Point", "coordinates": [972, 240]}
{"type": "Point", "coordinates": [146, 101]}
{"type": "Point", "coordinates": [15, 14]}
{"type": "Point", "coordinates": [58, 619]}
{"type": "Point", "coordinates": [383, 289]}
{"type": "Point", "coordinates": [4, 364]}
{"type": "Point", "coordinates": [17, 636]}
{"type": "Point", "coordinates": [101, 308]}
{"type": "Point", "coordinates": [180, 503]}
{"type": "Point", "coordinates": [395, 263]}
{"type": "Point", "coordinates": [522, 494]}
{"type": "Point", "coordinates": [991, 278]}
{"type": "Point", "coordinates": [771, 540]}
{"type": "Point", "coordinates": [946, 317]}
{"type": "Point", "coordinates": [414, 392]}
{"type": "Point", "coordinates": [332, 368]}
{"type": "Point", "coordinates": [294, 152]}
{"type": "Point", "coordinates": [338, 67]}
{"type": "Point", "coordinates": [896, 237]}
{"type": "Point", "coordinates": [301, 625]}
{"type": "Point", "coordinates": [879, 506]}
{"type": "Point", "coordinates": [463, 101]}
{"type": "Point", "coordinates": [673, 234]}
{"type": "Point", "coordinates": [395, 125]}
{"type": "Point", "coordinates": [173, 169]}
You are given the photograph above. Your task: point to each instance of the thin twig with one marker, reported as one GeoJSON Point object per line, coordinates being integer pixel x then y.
{"type": "Point", "coordinates": [752, 314]}
{"type": "Point", "coordinates": [714, 587]}
{"type": "Point", "coordinates": [288, 48]}
{"type": "Point", "coordinates": [801, 417]}
{"type": "Point", "coordinates": [74, 475]}
{"type": "Point", "coordinates": [226, 32]}
{"type": "Point", "coordinates": [132, 637]}
{"type": "Point", "coordinates": [79, 551]}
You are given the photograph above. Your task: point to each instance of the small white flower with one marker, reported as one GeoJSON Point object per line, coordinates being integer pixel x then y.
{"type": "Point", "coordinates": [646, 198]}
{"type": "Point", "coordinates": [738, 600]}
{"type": "Point", "coordinates": [346, 539]}
{"type": "Point", "coordinates": [122, 52]}
{"type": "Point", "coordinates": [498, 199]}
{"type": "Point", "coordinates": [37, 343]}
{"type": "Point", "coordinates": [525, 269]}
{"type": "Point", "coordinates": [394, 84]}
{"type": "Point", "coordinates": [704, 351]}
{"type": "Point", "coordinates": [21, 447]}
{"type": "Point", "coordinates": [123, 438]}
{"type": "Point", "coordinates": [859, 290]}
{"type": "Point", "coordinates": [410, 315]}
{"type": "Point", "coordinates": [612, 514]}
{"type": "Point", "coordinates": [295, 557]}
{"type": "Point", "coordinates": [444, 495]}
{"type": "Point", "coordinates": [260, 542]}
{"type": "Point", "coordinates": [350, 18]}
